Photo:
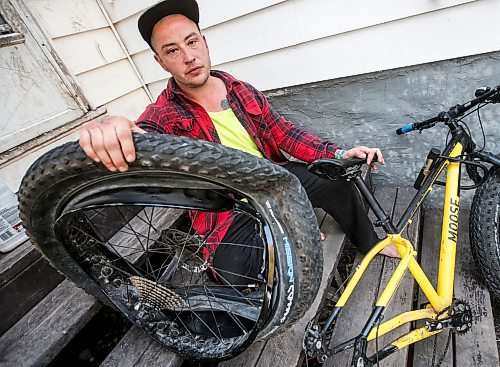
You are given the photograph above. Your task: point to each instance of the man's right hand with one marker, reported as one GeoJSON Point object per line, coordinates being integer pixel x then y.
{"type": "Point", "coordinates": [109, 140]}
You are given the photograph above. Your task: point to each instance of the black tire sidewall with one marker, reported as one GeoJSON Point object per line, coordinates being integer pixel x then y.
{"type": "Point", "coordinates": [59, 174]}
{"type": "Point", "coordinates": [484, 231]}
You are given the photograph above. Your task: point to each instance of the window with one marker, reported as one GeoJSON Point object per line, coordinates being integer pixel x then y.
{"type": "Point", "coordinates": [8, 36]}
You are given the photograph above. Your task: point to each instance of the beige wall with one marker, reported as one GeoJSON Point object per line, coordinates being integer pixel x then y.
{"type": "Point", "coordinates": [270, 43]}
{"type": "Point", "coordinates": [85, 38]}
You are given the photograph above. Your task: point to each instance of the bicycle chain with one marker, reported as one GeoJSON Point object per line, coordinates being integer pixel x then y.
{"type": "Point", "coordinates": [441, 359]}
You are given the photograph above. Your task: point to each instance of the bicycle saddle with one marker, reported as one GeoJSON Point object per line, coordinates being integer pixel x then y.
{"type": "Point", "coordinates": [335, 168]}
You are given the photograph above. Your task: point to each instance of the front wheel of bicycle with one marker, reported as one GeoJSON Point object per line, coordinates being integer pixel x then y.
{"type": "Point", "coordinates": [484, 230]}
{"type": "Point", "coordinates": [138, 240]}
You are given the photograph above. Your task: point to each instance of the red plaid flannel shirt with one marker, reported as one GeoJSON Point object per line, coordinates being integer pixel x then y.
{"type": "Point", "coordinates": [173, 113]}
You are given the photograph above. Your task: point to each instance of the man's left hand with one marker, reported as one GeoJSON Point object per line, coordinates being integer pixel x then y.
{"type": "Point", "coordinates": [365, 152]}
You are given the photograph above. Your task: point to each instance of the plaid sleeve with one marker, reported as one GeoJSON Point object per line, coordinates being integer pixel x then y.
{"type": "Point", "coordinates": [153, 120]}
{"type": "Point", "coordinates": [292, 139]}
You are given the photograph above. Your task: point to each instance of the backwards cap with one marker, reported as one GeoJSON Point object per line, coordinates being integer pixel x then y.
{"type": "Point", "coordinates": [148, 19]}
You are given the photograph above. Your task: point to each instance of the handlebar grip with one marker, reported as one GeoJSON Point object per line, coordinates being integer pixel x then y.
{"type": "Point", "coordinates": [405, 129]}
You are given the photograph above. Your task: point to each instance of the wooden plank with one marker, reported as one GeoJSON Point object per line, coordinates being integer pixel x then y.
{"type": "Point", "coordinates": [58, 19]}
{"type": "Point", "coordinates": [431, 239]}
{"type": "Point", "coordinates": [402, 300]}
{"type": "Point", "coordinates": [212, 15]}
{"type": "Point", "coordinates": [478, 346]}
{"type": "Point", "coordinates": [127, 29]}
{"type": "Point", "coordinates": [89, 50]}
{"type": "Point", "coordinates": [12, 263]}
{"type": "Point", "coordinates": [109, 82]}
{"type": "Point", "coordinates": [137, 349]}
{"type": "Point", "coordinates": [347, 51]}
{"type": "Point", "coordinates": [24, 291]}
{"type": "Point", "coordinates": [48, 327]}
{"type": "Point", "coordinates": [286, 349]}
{"type": "Point", "coordinates": [363, 299]}
{"type": "Point", "coordinates": [253, 31]}
{"type": "Point", "coordinates": [130, 105]}
{"type": "Point", "coordinates": [119, 10]}
{"type": "Point", "coordinates": [157, 87]}
{"type": "Point", "coordinates": [149, 69]}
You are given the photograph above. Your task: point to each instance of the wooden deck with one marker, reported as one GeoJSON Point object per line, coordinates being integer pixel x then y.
{"type": "Point", "coordinates": [476, 348]}
{"type": "Point", "coordinates": [36, 331]}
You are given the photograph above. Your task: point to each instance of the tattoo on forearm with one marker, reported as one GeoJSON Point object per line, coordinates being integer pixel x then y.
{"type": "Point", "coordinates": [224, 104]}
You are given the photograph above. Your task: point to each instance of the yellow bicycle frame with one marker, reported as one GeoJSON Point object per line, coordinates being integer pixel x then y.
{"type": "Point", "coordinates": [440, 299]}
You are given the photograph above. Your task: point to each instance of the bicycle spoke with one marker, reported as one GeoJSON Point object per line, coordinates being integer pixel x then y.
{"type": "Point", "coordinates": [171, 254]}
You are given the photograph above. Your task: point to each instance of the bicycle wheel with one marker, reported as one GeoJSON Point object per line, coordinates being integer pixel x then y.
{"type": "Point", "coordinates": [484, 230]}
{"type": "Point", "coordinates": [130, 240]}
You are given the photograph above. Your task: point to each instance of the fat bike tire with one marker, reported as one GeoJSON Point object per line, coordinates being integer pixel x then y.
{"type": "Point", "coordinates": [128, 239]}
{"type": "Point", "coordinates": [484, 230]}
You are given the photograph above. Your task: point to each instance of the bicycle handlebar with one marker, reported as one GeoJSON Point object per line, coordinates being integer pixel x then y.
{"type": "Point", "coordinates": [419, 125]}
{"type": "Point", "coordinates": [482, 95]}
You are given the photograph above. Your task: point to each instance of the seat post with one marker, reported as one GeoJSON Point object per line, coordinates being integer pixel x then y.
{"type": "Point", "coordinates": [382, 217]}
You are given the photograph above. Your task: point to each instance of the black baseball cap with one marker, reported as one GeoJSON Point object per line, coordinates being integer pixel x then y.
{"type": "Point", "coordinates": [148, 19]}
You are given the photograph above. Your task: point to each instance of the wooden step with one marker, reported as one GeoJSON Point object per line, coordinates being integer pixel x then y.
{"type": "Point", "coordinates": [15, 261]}
{"type": "Point", "coordinates": [285, 349]}
{"type": "Point", "coordinates": [360, 305]}
{"type": "Point", "coordinates": [44, 331]}
{"type": "Point", "coordinates": [136, 349]}
{"type": "Point", "coordinates": [21, 288]}
{"type": "Point", "coordinates": [478, 346]}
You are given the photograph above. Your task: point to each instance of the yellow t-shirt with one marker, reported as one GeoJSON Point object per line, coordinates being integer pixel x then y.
{"type": "Point", "coordinates": [232, 133]}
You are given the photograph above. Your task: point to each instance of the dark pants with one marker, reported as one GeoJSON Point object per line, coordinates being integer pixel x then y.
{"type": "Point", "coordinates": [340, 199]}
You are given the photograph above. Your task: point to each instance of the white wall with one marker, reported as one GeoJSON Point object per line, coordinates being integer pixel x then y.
{"type": "Point", "coordinates": [332, 39]}
{"type": "Point", "coordinates": [269, 43]}
{"type": "Point", "coordinates": [275, 44]}
{"type": "Point", "coordinates": [84, 38]}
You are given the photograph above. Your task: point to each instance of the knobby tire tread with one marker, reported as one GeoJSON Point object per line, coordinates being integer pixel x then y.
{"type": "Point", "coordinates": [484, 231]}
{"type": "Point", "coordinates": [68, 167]}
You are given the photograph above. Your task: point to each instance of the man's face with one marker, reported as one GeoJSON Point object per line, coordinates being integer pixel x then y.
{"type": "Point", "coordinates": [181, 50]}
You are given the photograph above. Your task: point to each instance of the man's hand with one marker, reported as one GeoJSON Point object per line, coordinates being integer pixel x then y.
{"type": "Point", "coordinates": [109, 140]}
{"type": "Point", "coordinates": [364, 152]}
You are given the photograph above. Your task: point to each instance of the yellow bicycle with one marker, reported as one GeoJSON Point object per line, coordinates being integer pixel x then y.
{"type": "Point", "coordinates": [442, 312]}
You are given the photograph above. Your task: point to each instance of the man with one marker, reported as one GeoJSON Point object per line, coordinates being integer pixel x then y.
{"type": "Point", "coordinates": [206, 104]}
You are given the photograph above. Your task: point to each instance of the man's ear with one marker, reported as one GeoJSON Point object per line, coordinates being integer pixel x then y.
{"type": "Point", "coordinates": [206, 44]}
{"type": "Point", "coordinates": [159, 61]}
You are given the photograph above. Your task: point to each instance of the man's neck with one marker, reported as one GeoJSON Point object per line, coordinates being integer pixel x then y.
{"type": "Point", "coordinates": [210, 95]}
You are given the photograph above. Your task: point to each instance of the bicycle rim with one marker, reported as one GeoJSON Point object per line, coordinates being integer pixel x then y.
{"type": "Point", "coordinates": [135, 240]}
